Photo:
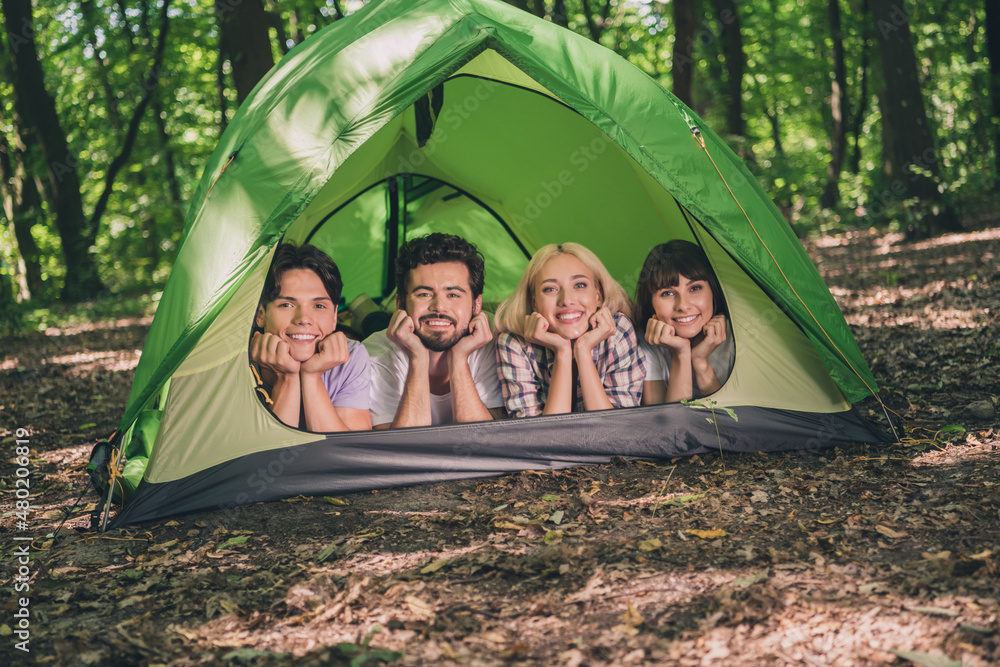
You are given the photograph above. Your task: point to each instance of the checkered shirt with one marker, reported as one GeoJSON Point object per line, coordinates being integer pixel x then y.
{"type": "Point", "coordinates": [525, 371]}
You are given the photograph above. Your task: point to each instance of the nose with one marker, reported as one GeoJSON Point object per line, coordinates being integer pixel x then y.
{"type": "Point", "coordinates": [562, 297]}
{"type": "Point", "coordinates": [301, 315]}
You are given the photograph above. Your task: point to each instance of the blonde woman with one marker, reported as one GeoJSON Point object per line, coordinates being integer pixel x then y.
{"type": "Point", "coordinates": [565, 341]}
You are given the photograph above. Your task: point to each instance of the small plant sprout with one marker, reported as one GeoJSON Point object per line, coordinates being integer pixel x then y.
{"type": "Point", "coordinates": [710, 405]}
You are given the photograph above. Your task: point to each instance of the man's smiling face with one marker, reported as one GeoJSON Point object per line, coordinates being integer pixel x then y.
{"type": "Point", "coordinates": [302, 314]}
{"type": "Point", "coordinates": [440, 302]}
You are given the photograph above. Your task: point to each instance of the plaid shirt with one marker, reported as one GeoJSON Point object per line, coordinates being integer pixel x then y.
{"type": "Point", "coordinates": [525, 371]}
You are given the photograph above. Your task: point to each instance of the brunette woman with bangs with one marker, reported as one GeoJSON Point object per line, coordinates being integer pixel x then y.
{"type": "Point", "coordinates": [688, 345]}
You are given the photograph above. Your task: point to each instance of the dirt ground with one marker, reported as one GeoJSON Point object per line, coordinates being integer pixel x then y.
{"type": "Point", "coordinates": [859, 555]}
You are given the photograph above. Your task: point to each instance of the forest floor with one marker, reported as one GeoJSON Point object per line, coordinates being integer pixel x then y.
{"type": "Point", "coordinates": [859, 555]}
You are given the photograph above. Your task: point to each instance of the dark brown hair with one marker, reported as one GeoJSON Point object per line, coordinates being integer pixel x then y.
{"type": "Point", "coordinates": [434, 249]}
{"type": "Point", "coordinates": [290, 256]}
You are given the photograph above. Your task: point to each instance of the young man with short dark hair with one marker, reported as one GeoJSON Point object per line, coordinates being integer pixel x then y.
{"type": "Point", "coordinates": [435, 364]}
{"type": "Point", "coordinates": [318, 379]}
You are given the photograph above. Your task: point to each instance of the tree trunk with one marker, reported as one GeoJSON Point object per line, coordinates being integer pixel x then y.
{"type": "Point", "coordinates": [993, 50]}
{"type": "Point", "coordinates": [838, 107]}
{"type": "Point", "coordinates": [22, 201]}
{"type": "Point", "coordinates": [63, 184]}
{"type": "Point", "coordinates": [682, 69]}
{"type": "Point", "coordinates": [10, 314]}
{"type": "Point", "coordinates": [243, 29]}
{"type": "Point", "coordinates": [220, 86]}
{"type": "Point", "coordinates": [22, 205]}
{"type": "Point", "coordinates": [859, 117]}
{"type": "Point", "coordinates": [732, 48]}
{"type": "Point", "coordinates": [772, 118]}
{"type": "Point", "coordinates": [912, 152]}
{"type": "Point", "coordinates": [91, 30]}
{"type": "Point", "coordinates": [594, 26]}
{"type": "Point", "coordinates": [150, 82]}
{"type": "Point", "coordinates": [173, 185]}
{"type": "Point", "coordinates": [559, 16]}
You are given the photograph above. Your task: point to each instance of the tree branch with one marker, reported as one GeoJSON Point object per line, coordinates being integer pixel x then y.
{"type": "Point", "coordinates": [150, 83]}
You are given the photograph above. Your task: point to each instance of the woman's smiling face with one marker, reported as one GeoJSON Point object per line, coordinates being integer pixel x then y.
{"type": "Point", "coordinates": [687, 306]}
{"type": "Point", "coordinates": [566, 294]}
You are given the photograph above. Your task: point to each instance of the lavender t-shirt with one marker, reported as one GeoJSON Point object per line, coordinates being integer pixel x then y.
{"type": "Point", "coordinates": [349, 383]}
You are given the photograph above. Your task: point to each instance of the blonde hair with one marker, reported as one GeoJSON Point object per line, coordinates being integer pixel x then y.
{"type": "Point", "coordinates": [512, 311]}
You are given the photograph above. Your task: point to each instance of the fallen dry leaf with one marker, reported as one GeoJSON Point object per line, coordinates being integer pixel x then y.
{"type": "Point", "coordinates": [707, 534]}
{"type": "Point", "coordinates": [434, 566]}
{"type": "Point", "coordinates": [418, 607]}
{"type": "Point", "coordinates": [889, 532]}
{"type": "Point", "coordinates": [652, 544]}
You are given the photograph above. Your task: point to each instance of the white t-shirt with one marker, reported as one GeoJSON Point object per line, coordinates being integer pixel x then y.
{"type": "Point", "coordinates": [658, 360]}
{"type": "Point", "coordinates": [390, 365]}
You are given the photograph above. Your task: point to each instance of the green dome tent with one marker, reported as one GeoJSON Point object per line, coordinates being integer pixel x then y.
{"type": "Point", "coordinates": [472, 117]}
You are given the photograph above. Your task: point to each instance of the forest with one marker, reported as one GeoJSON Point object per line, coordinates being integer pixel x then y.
{"type": "Point", "coordinates": [875, 127]}
{"type": "Point", "coordinates": [853, 114]}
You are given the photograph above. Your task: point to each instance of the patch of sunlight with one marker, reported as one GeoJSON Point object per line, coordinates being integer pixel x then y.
{"type": "Point", "coordinates": [930, 318]}
{"type": "Point", "coordinates": [9, 364]}
{"type": "Point", "coordinates": [85, 362]}
{"type": "Point", "coordinates": [99, 326]}
{"type": "Point", "coordinates": [968, 446]}
{"type": "Point", "coordinates": [952, 239]}
{"type": "Point", "coordinates": [66, 454]}
{"type": "Point", "coordinates": [653, 499]}
{"type": "Point", "coordinates": [383, 564]}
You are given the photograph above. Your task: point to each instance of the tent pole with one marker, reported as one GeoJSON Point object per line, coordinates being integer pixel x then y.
{"type": "Point", "coordinates": [392, 234]}
{"type": "Point", "coordinates": [892, 426]}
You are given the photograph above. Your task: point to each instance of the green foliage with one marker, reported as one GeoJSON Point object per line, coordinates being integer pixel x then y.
{"type": "Point", "coordinates": [97, 58]}
{"type": "Point", "coordinates": [363, 654]}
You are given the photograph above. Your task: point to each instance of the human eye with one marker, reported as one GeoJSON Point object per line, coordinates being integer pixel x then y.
{"type": "Point", "coordinates": [581, 285]}
{"type": "Point", "coordinates": [665, 293]}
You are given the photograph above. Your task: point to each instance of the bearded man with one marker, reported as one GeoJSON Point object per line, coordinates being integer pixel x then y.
{"type": "Point", "coordinates": [436, 363]}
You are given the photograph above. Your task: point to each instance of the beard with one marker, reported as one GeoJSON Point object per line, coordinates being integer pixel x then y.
{"type": "Point", "coordinates": [441, 341]}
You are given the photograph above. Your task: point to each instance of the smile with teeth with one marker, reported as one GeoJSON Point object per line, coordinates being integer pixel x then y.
{"type": "Point", "coordinates": [435, 322]}
{"type": "Point", "coordinates": [687, 319]}
{"type": "Point", "coordinates": [569, 317]}
{"type": "Point", "coordinates": [303, 337]}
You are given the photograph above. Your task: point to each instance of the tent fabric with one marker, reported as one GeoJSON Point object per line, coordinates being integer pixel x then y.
{"type": "Point", "coordinates": [343, 463]}
{"type": "Point", "coordinates": [531, 135]}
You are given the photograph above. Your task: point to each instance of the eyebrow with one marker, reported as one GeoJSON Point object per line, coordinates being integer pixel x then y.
{"type": "Point", "coordinates": [282, 297]}
{"type": "Point", "coordinates": [449, 288]}
{"type": "Point", "coordinates": [553, 280]}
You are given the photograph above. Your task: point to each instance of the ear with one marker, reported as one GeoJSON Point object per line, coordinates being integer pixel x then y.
{"type": "Point", "coordinates": [600, 296]}
{"type": "Point", "coordinates": [477, 305]}
{"type": "Point", "coordinates": [259, 319]}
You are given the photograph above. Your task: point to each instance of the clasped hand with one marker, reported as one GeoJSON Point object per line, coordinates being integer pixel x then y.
{"type": "Point", "coordinates": [664, 335]}
{"type": "Point", "coordinates": [602, 326]}
{"type": "Point", "coordinates": [402, 332]}
{"type": "Point", "coordinates": [271, 352]}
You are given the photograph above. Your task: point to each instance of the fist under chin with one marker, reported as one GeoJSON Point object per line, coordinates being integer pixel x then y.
{"type": "Point", "coordinates": [302, 355]}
